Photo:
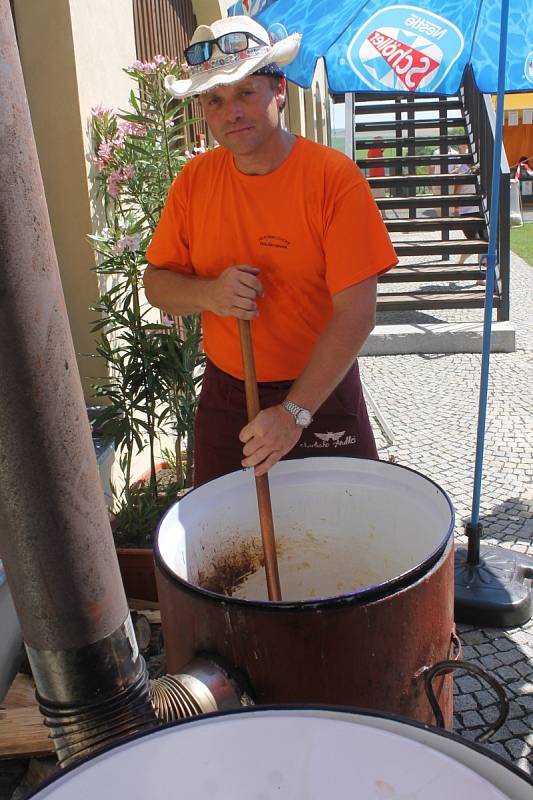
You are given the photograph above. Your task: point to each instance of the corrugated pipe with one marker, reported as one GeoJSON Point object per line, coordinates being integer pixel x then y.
{"type": "Point", "coordinates": [203, 686]}
{"type": "Point", "coordinates": [55, 538]}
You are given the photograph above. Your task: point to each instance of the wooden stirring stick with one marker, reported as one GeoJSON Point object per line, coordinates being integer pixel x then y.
{"type": "Point", "coordinates": [261, 483]}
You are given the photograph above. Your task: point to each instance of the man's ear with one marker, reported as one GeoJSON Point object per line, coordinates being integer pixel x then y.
{"type": "Point", "coordinates": [281, 93]}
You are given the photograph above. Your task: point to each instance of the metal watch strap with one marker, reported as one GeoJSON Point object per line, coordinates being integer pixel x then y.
{"type": "Point", "coordinates": [296, 410]}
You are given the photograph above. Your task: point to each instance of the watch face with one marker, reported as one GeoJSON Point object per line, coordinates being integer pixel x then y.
{"type": "Point", "coordinates": [303, 418]}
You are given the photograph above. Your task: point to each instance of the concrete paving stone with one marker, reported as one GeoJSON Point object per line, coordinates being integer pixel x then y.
{"type": "Point", "coordinates": [517, 726]}
{"type": "Point", "coordinates": [490, 662]}
{"type": "Point", "coordinates": [471, 736]}
{"type": "Point", "coordinates": [503, 644]}
{"type": "Point", "coordinates": [526, 701]}
{"type": "Point", "coordinates": [471, 719]}
{"type": "Point", "coordinates": [485, 649]}
{"type": "Point", "coordinates": [464, 702]}
{"type": "Point", "coordinates": [497, 748]}
{"type": "Point", "coordinates": [484, 698]}
{"type": "Point", "coordinates": [492, 633]}
{"type": "Point", "coordinates": [525, 668]}
{"type": "Point", "coordinates": [511, 657]}
{"type": "Point", "coordinates": [470, 652]}
{"type": "Point", "coordinates": [517, 748]}
{"type": "Point", "coordinates": [490, 713]}
{"type": "Point", "coordinates": [520, 635]}
{"type": "Point", "coordinates": [507, 674]}
{"type": "Point", "coordinates": [516, 711]}
{"type": "Point", "coordinates": [503, 734]}
{"type": "Point", "coordinates": [468, 684]}
{"type": "Point", "coordinates": [518, 689]}
{"type": "Point", "coordinates": [525, 764]}
{"type": "Point", "coordinates": [473, 637]}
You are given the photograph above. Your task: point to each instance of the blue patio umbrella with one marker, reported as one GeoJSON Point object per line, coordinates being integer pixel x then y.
{"type": "Point", "coordinates": [424, 47]}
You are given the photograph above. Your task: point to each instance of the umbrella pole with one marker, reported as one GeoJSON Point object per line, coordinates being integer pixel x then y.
{"type": "Point", "coordinates": [489, 581]}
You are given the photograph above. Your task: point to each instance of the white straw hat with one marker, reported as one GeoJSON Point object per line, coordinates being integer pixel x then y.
{"type": "Point", "coordinates": [222, 69]}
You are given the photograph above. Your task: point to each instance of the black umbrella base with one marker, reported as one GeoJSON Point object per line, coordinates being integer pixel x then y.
{"type": "Point", "coordinates": [497, 591]}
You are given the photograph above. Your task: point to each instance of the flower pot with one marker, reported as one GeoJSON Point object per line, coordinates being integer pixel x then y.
{"type": "Point", "coordinates": [145, 477]}
{"type": "Point", "coordinates": [137, 569]}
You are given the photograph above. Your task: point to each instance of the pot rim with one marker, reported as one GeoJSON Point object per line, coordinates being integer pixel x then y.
{"type": "Point", "coordinates": [313, 709]}
{"type": "Point", "coordinates": [367, 594]}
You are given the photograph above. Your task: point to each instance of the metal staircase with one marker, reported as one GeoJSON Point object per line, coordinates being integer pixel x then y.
{"type": "Point", "coordinates": [417, 205]}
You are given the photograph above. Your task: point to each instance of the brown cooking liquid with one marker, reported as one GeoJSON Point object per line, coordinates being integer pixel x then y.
{"type": "Point", "coordinates": [309, 567]}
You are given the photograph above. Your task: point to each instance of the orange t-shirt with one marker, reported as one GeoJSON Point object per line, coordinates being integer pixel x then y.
{"type": "Point", "coordinates": [311, 226]}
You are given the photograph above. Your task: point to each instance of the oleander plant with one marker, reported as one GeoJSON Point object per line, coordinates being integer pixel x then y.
{"type": "Point", "coordinates": [151, 365]}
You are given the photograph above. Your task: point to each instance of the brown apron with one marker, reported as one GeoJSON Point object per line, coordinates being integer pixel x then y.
{"type": "Point", "coordinates": [340, 427]}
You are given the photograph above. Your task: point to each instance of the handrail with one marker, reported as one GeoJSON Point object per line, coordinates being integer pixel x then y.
{"type": "Point", "coordinates": [481, 120]}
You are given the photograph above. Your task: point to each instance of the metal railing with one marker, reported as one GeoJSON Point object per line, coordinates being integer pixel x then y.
{"type": "Point", "coordinates": [481, 119]}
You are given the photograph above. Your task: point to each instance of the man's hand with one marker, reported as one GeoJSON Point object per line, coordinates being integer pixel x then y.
{"type": "Point", "coordinates": [268, 437]}
{"type": "Point", "coordinates": [234, 293]}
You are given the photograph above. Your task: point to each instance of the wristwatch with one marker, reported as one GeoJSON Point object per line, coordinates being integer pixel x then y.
{"type": "Point", "coordinates": [302, 416]}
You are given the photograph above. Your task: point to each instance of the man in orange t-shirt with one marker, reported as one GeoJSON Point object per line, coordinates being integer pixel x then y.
{"type": "Point", "coordinates": [276, 229]}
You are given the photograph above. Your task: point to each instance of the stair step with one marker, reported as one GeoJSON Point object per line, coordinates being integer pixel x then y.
{"type": "Point", "coordinates": [469, 221]}
{"type": "Point", "coordinates": [454, 140]}
{"type": "Point", "coordinates": [428, 200]}
{"type": "Point", "coordinates": [419, 124]}
{"type": "Point", "coordinates": [406, 104]}
{"type": "Point", "coordinates": [445, 271]}
{"type": "Point", "coordinates": [467, 298]}
{"type": "Point", "coordinates": [416, 161]}
{"type": "Point", "coordinates": [439, 248]}
{"type": "Point", "coordinates": [422, 180]}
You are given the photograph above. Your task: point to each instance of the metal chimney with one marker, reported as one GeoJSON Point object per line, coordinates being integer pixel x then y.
{"type": "Point", "coordinates": [55, 538]}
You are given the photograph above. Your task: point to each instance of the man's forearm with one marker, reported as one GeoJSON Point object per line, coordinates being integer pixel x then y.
{"type": "Point", "coordinates": [232, 294]}
{"type": "Point", "coordinates": [336, 349]}
{"type": "Point", "coordinates": [176, 293]}
{"type": "Point", "coordinates": [274, 432]}
{"type": "Point", "coordinates": [332, 357]}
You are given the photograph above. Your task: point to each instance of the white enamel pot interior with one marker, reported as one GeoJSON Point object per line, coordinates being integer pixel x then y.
{"type": "Point", "coordinates": [344, 526]}
{"type": "Point", "coordinates": [292, 754]}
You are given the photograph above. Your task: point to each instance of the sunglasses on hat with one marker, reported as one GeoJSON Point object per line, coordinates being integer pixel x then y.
{"type": "Point", "coordinates": [229, 43]}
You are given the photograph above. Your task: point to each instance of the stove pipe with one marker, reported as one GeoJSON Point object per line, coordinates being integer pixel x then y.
{"type": "Point", "coordinates": [55, 538]}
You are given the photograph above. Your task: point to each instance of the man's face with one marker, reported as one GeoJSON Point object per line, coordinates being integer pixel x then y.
{"type": "Point", "coordinates": [244, 115]}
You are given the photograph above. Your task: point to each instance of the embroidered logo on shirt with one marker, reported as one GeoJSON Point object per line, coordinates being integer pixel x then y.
{"type": "Point", "coordinates": [274, 241]}
{"type": "Point", "coordinates": [329, 439]}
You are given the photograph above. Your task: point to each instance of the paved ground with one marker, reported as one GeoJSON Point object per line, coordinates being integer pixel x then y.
{"type": "Point", "coordinates": [431, 404]}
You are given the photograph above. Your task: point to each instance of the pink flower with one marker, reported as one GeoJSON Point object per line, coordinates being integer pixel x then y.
{"type": "Point", "coordinates": [114, 183]}
{"type": "Point", "coordinates": [101, 111]}
{"type": "Point", "coordinates": [118, 177]}
{"type": "Point", "coordinates": [118, 140]}
{"type": "Point", "coordinates": [130, 128]}
{"type": "Point", "coordinates": [105, 151]}
{"type": "Point", "coordinates": [142, 66]}
{"type": "Point", "coordinates": [159, 60]}
{"type": "Point", "coordinates": [131, 242]}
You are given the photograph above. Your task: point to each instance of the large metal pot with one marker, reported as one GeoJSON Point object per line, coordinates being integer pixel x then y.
{"type": "Point", "coordinates": [366, 566]}
{"type": "Point", "coordinates": [302, 754]}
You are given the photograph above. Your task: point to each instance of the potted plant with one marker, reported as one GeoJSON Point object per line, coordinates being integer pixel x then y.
{"type": "Point", "coordinates": [151, 364]}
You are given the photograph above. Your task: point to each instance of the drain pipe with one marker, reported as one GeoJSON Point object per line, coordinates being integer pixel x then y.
{"type": "Point", "coordinates": [55, 538]}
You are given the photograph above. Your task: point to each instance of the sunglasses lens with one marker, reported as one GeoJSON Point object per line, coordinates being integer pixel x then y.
{"type": "Point", "coordinates": [233, 42]}
{"type": "Point", "coordinates": [198, 53]}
